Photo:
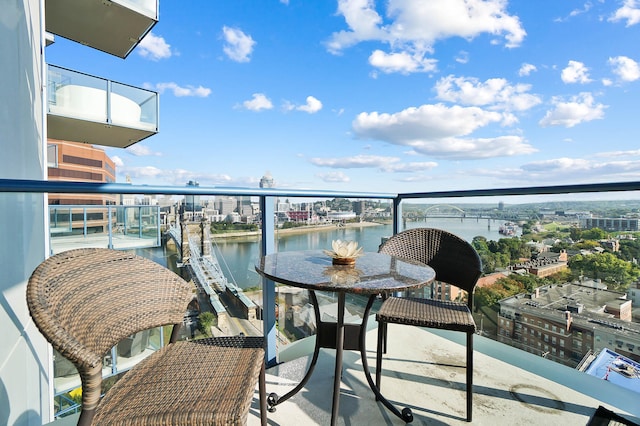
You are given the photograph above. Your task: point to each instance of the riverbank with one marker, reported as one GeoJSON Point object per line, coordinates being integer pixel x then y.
{"type": "Point", "coordinates": [297, 230]}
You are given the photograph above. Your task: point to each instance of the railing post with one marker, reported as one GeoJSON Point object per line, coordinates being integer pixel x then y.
{"type": "Point", "coordinates": [159, 225]}
{"type": "Point", "coordinates": [84, 219]}
{"type": "Point", "coordinates": [109, 227]}
{"type": "Point", "coordinates": [108, 91]}
{"type": "Point", "coordinates": [397, 215]}
{"type": "Point", "coordinates": [267, 246]}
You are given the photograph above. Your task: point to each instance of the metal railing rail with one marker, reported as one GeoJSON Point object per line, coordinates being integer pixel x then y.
{"type": "Point", "coordinates": [529, 190]}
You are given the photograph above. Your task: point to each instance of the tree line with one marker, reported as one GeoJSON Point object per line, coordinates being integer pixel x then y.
{"type": "Point", "coordinates": [617, 269]}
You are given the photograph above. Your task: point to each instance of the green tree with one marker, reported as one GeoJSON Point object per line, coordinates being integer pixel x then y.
{"type": "Point", "coordinates": [629, 250]}
{"type": "Point", "coordinates": [575, 234]}
{"type": "Point", "coordinates": [586, 245]}
{"type": "Point", "coordinates": [205, 321]}
{"type": "Point", "coordinates": [607, 267]}
{"type": "Point", "coordinates": [527, 226]}
{"type": "Point", "coordinates": [593, 234]}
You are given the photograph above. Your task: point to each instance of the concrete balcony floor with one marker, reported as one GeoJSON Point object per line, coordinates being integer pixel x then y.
{"type": "Point", "coordinates": [426, 372]}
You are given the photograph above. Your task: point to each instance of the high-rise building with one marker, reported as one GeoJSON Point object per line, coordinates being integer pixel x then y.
{"type": "Point", "coordinates": [79, 162]}
{"type": "Point", "coordinates": [267, 181]}
{"type": "Point", "coordinates": [192, 202]}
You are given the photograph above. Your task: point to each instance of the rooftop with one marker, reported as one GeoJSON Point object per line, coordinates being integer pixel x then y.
{"type": "Point", "coordinates": [554, 300]}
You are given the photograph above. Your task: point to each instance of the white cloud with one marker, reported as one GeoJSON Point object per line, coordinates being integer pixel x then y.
{"type": "Point", "coordinates": [579, 169]}
{"type": "Point", "coordinates": [238, 46]}
{"type": "Point", "coordinates": [494, 92]}
{"type": "Point", "coordinates": [526, 69]}
{"type": "Point", "coordinates": [117, 161]}
{"type": "Point", "coordinates": [312, 106]}
{"type": "Point", "coordinates": [440, 131]}
{"type": "Point", "coordinates": [415, 167]}
{"type": "Point", "coordinates": [625, 68]}
{"type": "Point", "coordinates": [576, 110]}
{"type": "Point", "coordinates": [626, 154]}
{"type": "Point", "coordinates": [143, 172]}
{"type": "Point", "coordinates": [556, 164]}
{"type": "Point", "coordinates": [463, 57]}
{"type": "Point", "coordinates": [401, 62]}
{"type": "Point", "coordinates": [258, 102]}
{"type": "Point", "coordinates": [180, 91]}
{"type": "Point", "coordinates": [354, 162]}
{"type": "Point", "coordinates": [575, 12]}
{"type": "Point", "coordinates": [575, 72]}
{"type": "Point", "coordinates": [630, 12]}
{"type": "Point", "coordinates": [154, 47]}
{"type": "Point", "coordinates": [384, 164]}
{"type": "Point", "coordinates": [564, 169]}
{"type": "Point", "coordinates": [334, 177]}
{"type": "Point", "coordinates": [140, 150]}
{"type": "Point", "coordinates": [178, 177]}
{"type": "Point", "coordinates": [415, 26]}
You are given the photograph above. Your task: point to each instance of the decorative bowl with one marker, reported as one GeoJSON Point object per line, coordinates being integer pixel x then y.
{"type": "Point", "coordinates": [344, 261]}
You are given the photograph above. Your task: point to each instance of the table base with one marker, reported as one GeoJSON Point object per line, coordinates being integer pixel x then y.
{"type": "Point", "coordinates": [340, 336]}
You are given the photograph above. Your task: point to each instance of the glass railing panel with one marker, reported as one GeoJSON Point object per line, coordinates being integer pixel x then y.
{"type": "Point", "coordinates": [134, 107]}
{"type": "Point", "coordinates": [128, 352]}
{"type": "Point", "coordinates": [76, 95]}
{"type": "Point", "coordinates": [561, 271]}
{"type": "Point", "coordinates": [118, 227]}
{"type": "Point", "coordinates": [133, 349]}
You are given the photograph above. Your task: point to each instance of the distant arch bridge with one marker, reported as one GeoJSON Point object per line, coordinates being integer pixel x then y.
{"type": "Point", "coordinates": [438, 210]}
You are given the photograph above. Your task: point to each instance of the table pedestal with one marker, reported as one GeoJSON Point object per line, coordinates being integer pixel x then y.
{"type": "Point", "coordinates": [340, 336]}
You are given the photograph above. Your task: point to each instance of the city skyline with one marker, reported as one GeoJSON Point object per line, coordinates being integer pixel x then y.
{"type": "Point", "coordinates": [397, 96]}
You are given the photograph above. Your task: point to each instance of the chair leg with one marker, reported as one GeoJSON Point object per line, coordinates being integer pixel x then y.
{"type": "Point", "coordinates": [382, 328]}
{"type": "Point", "coordinates": [469, 374]}
{"type": "Point", "coordinates": [384, 331]}
{"type": "Point", "coordinates": [262, 389]}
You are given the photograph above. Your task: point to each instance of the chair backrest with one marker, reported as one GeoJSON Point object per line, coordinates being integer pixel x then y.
{"type": "Point", "coordinates": [454, 260]}
{"type": "Point", "coordinates": [85, 301]}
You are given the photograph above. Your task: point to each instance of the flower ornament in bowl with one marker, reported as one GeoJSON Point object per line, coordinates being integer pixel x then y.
{"type": "Point", "coordinates": [344, 252]}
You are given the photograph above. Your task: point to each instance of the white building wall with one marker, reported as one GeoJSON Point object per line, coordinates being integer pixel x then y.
{"type": "Point", "coordinates": [25, 357]}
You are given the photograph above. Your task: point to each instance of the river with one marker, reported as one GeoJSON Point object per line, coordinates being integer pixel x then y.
{"type": "Point", "coordinates": [237, 257]}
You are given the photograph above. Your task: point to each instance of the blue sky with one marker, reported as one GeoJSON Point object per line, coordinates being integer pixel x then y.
{"type": "Point", "coordinates": [392, 96]}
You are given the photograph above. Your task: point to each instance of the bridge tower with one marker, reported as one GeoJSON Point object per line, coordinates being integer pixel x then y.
{"type": "Point", "coordinates": [185, 251]}
{"type": "Point", "coordinates": [205, 237]}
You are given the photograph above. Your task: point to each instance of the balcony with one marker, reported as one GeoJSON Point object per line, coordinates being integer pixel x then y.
{"type": "Point", "coordinates": [114, 227]}
{"type": "Point", "coordinates": [113, 26]}
{"type": "Point", "coordinates": [511, 387]}
{"type": "Point", "coordinates": [97, 111]}
{"type": "Point", "coordinates": [422, 370]}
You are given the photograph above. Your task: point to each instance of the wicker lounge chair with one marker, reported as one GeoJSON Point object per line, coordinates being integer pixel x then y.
{"type": "Point", "coordinates": [85, 301]}
{"type": "Point", "coordinates": [455, 262]}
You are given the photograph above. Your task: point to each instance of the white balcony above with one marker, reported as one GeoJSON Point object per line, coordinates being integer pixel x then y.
{"type": "Point", "coordinates": [84, 108]}
{"type": "Point", "coordinates": [113, 26]}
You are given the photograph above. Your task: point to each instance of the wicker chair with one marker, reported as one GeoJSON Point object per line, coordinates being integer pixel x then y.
{"type": "Point", "coordinates": [455, 262]}
{"type": "Point", "coordinates": [85, 301]}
